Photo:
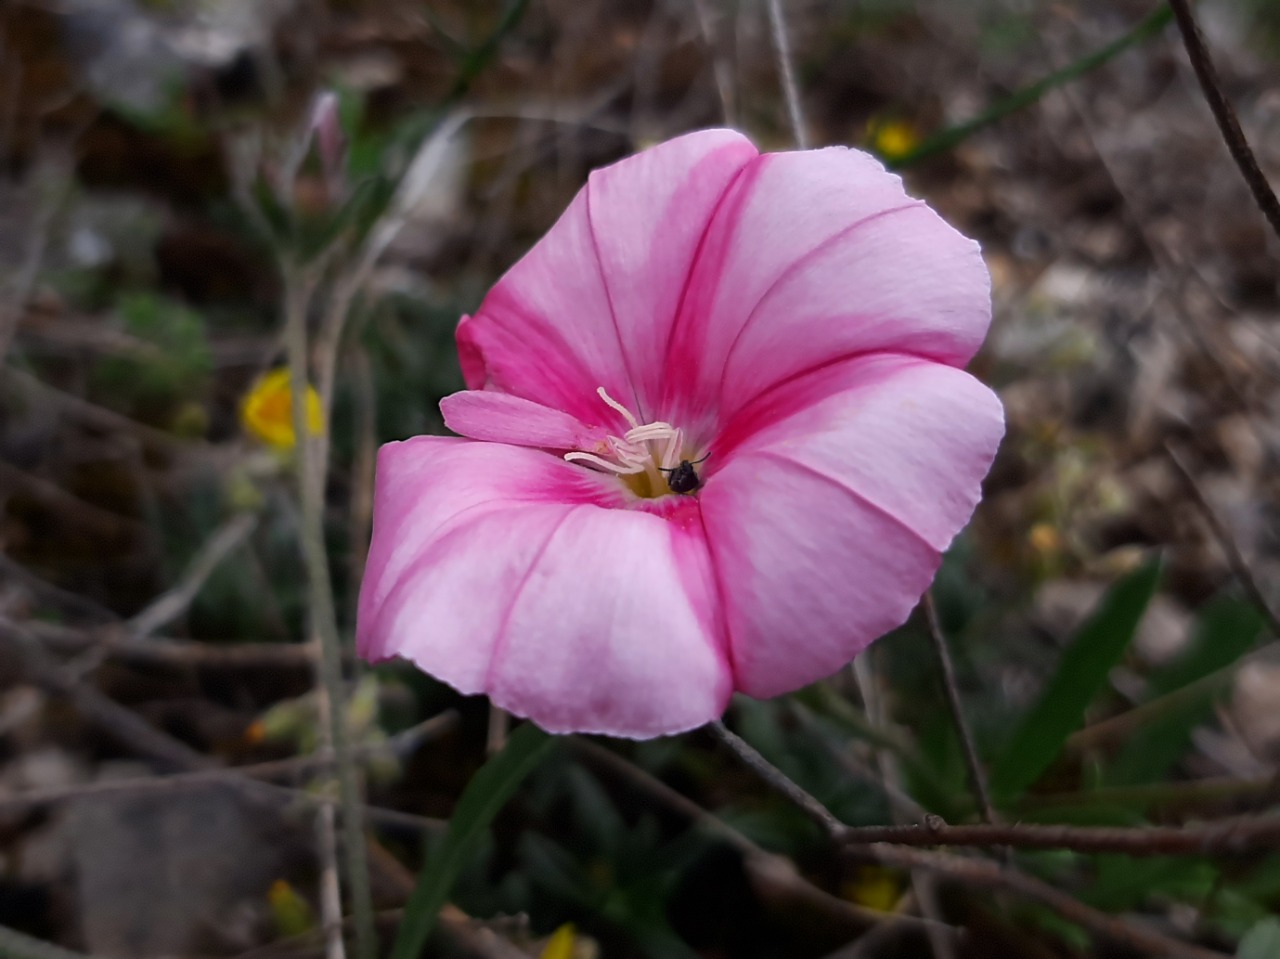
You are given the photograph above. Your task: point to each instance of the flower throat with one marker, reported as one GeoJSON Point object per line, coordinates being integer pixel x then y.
{"type": "Point", "coordinates": [649, 458]}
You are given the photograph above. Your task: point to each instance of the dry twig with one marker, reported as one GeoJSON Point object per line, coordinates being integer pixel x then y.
{"type": "Point", "coordinates": [170, 605]}
{"type": "Point", "coordinates": [1235, 557]}
{"type": "Point", "coordinates": [982, 872]}
{"type": "Point", "coordinates": [1224, 114]}
{"type": "Point", "coordinates": [767, 869]}
{"type": "Point", "coordinates": [963, 869]}
{"type": "Point", "coordinates": [1241, 835]}
{"type": "Point", "coordinates": [782, 45]}
{"type": "Point", "coordinates": [977, 775]}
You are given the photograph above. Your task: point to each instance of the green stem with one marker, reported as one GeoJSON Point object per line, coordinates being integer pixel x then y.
{"type": "Point", "coordinates": [299, 286]}
{"type": "Point", "coordinates": [944, 141]}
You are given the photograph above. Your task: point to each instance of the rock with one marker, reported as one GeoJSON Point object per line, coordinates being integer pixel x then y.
{"type": "Point", "coordinates": [181, 872]}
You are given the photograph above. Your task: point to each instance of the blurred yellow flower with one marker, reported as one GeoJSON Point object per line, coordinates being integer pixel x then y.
{"type": "Point", "coordinates": [267, 410]}
{"type": "Point", "coordinates": [874, 888]}
{"type": "Point", "coordinates": [891, 139]}
{"type": "Point", "coordinates": [290, 912]}
{"type": "Point", "coordinates": [560, 945]}
{"type": "Point", "coordinates": [1045, 539]}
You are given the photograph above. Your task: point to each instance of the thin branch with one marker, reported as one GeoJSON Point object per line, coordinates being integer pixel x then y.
{"type": "Point", "coordinates": [1235, 558]}
{"type": "Point", "coordinates": [170, 605]}
{"type": "Point", "coordinates": [86, 516]}
{"type": "Point", "coordinates": [1241, 835]}
{"type": "Point", "coordinates": [777, 780]}
{"type": "Point", "coordinates": [1230, 837]}
{"type": "Point", "coordinates": [1224, 114]}
{"type": "Point", "coordinates": [122, 723]}
{"type": "Point", "coordinates": [766, 868]}
{"type": "Point", "coordinates": [113, 644]}
{"type": "Point", "coordinates": [719, 66]}
{"type": "Point", "coordinates": [922, 884]}
{"type": "Point", "coordinates": [977, 774]}
{"type": "Point", "coordinates": [972, 870]}
{"type": "Point", "coordinates": [330, 888]}
{"type": "Point", "coordinates": [983, 872]}
{"type": "Point", "coordinates": [902, 804]}
{"type": "Point", "coordinates": [256, 776]}
{"type": "Point", "coordinates": [13, 303]}
{"type": "Point", "coordinates": [95, 416]}
{"type": "Point", "coordinates": [782, 46]}
{"type": "Point", "coordinates": [298, 292]}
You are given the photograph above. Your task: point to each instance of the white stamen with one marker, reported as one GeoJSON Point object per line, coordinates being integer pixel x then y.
{"type": "Point", "coordinates": [672, 449]}
{"type": "Point", "coordinates": [602, 463]}
{"type": "Point", "coordinates": [637, 450]}
{"type": "Point", "coordinates": [626, 413]}
{"type": "Point", "coordinates": [650, 431]}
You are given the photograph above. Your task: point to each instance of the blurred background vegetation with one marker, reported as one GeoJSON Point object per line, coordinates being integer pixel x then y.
{"type": "Point", "coordinates": [163, 170]}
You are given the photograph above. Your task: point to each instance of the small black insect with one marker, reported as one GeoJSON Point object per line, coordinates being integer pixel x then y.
{"type": "Point", "coordinates": [683, 478]}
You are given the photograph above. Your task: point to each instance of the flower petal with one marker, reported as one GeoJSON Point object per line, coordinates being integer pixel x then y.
{"type": "Point", "coordinates": [649, 214]}
{"type": "Point", "coordinates": [828, 522]}
{"type": "Point", "coordinates": [495, 569]}
{"type": "Point", "coordinates": [902, 281]}
{"type": "Point", "coordinates": [593, 302]}
{"type": "Point", "coordinates": [502, 418]}
{"type": "Point", "coordinates": [616, 630]}
{"type": "Point", "coordinates": [813, 257]}
{"type": "Point", "coordinates": [429, 486]}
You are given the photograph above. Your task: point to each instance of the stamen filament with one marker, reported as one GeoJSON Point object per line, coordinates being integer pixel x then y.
{"type": "Point", "coordinates": [619, 468]}
{"type": "Point", "coordinates": [626, 413]}
{"type": "Point", "coordinates": [651, 448]}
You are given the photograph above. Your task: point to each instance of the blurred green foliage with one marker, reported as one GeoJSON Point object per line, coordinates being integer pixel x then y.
{"type": "Point", "coordinates": [171, 362]}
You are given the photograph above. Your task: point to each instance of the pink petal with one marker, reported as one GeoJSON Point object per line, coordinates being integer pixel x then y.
{"type": "Point", "coordinates": [495, 569]}
{"type": "Point", "coordinates": [502, 418]}
{"type": "Point", "coordinates": [616, 630]}
{"type": "Point", "coordinates": [813, 257]}
{"type": "Point", "coordinates": [592, 304]}
{"type": "Point", "coordinates": [648, 215]}
{"type": "Point", "coordinates": [903, 281]}
{"type": "Point", "coordinates": [428, 485]}
{"type": "Point", "coordinates": [828, 522]}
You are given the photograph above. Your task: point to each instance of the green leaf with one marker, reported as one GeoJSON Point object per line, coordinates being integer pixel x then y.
{"type": "Point", "coordinates": [1226, 630]}
{"type": "Point", "coordinates": [1262, 942]}
{"type": "Point", "coordinates": [1081, 675]}
{"type": "Point", "coordinates": [486, 794]}
{"type": "Point", "coordinates": [941, 142]}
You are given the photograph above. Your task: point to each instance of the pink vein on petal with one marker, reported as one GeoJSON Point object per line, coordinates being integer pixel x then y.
{"type": "Point", "coordinates": [822, 246]}
{"type": "Point", "coordinates": [500, 640]}
{"type": "Point", "coordinates": [440, 541]}
{"type": "Point", "coordinates": [726, 640]}
{"type": "Point", "coordinates": [851, 492]}
{"type": "Point", "coordinates": [613, 312]}
{"type": "Point", "coordinates": [738, 201]}
{"type": "Point", "coordinates": [739, 427]}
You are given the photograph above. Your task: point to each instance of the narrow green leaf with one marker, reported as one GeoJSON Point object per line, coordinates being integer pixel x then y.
{"type": "Point", "coordinates": [941, 142]}
{"type": "Point", "coordinates": [1225, 631]}
{"type": "Point", "coordinates": [1262, 941]}
{"type": "Point", "coordinates": [486, 794]}
{"type": "Point", "coordinates": [1081, 675]}
{"type": "Point", "coordinates": [478, 58]}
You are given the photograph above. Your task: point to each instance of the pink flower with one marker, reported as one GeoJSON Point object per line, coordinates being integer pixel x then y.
{"type": "Point", "coordinates": [794, 322]}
